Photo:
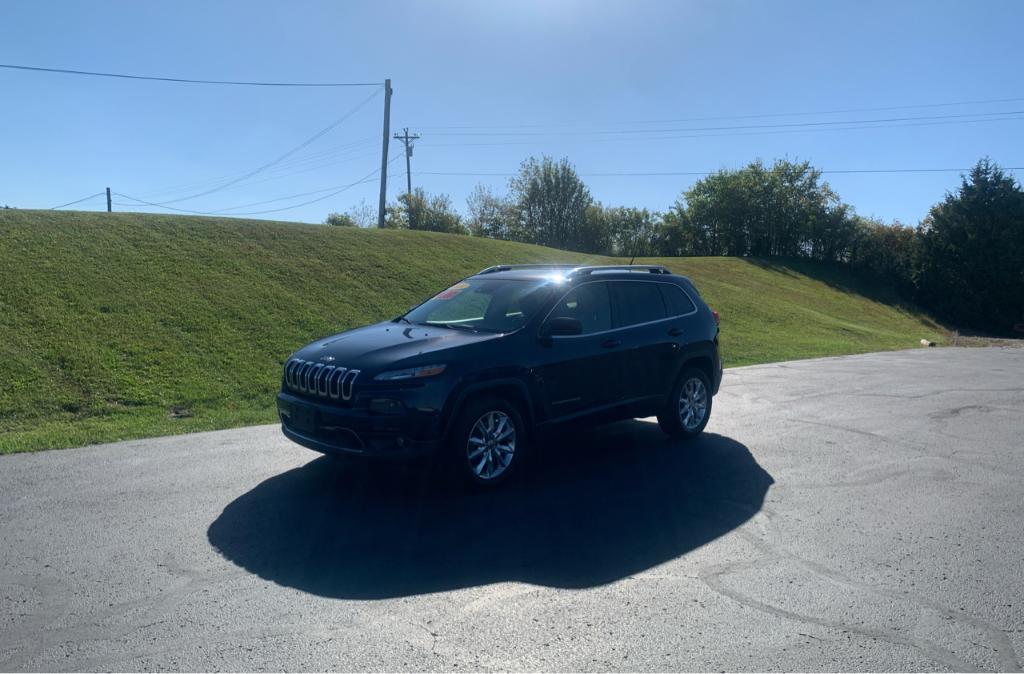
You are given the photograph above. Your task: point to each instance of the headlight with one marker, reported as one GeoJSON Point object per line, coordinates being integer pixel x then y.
{"type": "Point", "coordinates": [411, 373]}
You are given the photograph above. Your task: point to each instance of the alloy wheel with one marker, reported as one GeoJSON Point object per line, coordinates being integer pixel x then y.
{"type": "Point", "coordinates": [491, 445]}
{"type": "Point", "coordinates": [693, 403]}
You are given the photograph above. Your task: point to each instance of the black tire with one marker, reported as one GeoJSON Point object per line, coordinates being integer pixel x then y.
{"type": "Point", "coordinates": [466, 435]}
{"type": "Point", "coordinates": [673, 419]}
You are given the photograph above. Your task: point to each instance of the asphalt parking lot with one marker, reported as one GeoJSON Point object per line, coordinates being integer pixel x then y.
{"type": "Point", "coordinates": [855, 513]}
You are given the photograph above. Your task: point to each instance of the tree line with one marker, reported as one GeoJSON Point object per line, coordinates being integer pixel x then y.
{"type": "Point", "coordinates": [964, 261]}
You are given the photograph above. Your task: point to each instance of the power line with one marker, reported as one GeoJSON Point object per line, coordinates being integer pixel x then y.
{"type": "Point", "coordinates": [332, 151]}
{"type": "Point", "coordinates": [840, 128]}
{"type": "Point", "coordinates": [150, 203]}
{"type": "Point", "coordinates": [337, 190]}
{"type": "Point", "coordinates": [78, 201]}
{"type": "Point", "coordinates": [290, 196]}
{"type": "Point", "coordinates": [287, 154]}
{"type": "Point", "coordinates": [367, 178]}
{"type": "Point", "coordinates": [705, 173]}
{"type": "Point", "coordinates": [280, 172]}
{"type": "Point", "coordinates": [289, 174]}
{"type": "Point", "coordinates": [731, 117]}
{"type": "Point", "coordinates": [925, 170]}
{"type": "Point", "coordinates": [620, 139]}
{"type": "Point", "coordinates": [88, 73]}
{"type": "Point", "coordinates": [740, 127]}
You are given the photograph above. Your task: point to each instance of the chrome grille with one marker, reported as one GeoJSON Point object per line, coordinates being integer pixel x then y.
{"type": "Point", "coordinates": [317, 379]}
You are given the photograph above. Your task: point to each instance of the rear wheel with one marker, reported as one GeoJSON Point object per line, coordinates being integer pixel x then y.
{"type": "Point", "coordinates": [488, 441]}
{"type": "Point", "coordinates": [689, 407]}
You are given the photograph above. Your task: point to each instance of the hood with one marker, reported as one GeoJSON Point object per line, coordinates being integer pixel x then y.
{"type": "Point", "coordinates": [388, 345]}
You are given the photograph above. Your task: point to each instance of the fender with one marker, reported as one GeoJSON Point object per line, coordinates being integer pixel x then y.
{"type": "Point", "coordinates": [464, 390]}
{"type": "Point", "coordinates": [703, 349]}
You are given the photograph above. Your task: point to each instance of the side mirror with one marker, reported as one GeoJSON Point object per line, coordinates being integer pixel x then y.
{"type": "Point", "coordinates": [561, 326]}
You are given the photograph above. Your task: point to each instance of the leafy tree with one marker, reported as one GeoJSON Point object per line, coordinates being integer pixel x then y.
{"type": "Point", "coordinates": [550, 203]}
{"type": "Point", "coordinates": [785, 210]}
{"type": "Point", "coordinates": [678, 237]}
{"type": "Point", "coordinates": [832, 233]}
{"type": "Point", "coordinates": [885, 251]}
{"type": "Point", "coordinates": [713, 210]}
{"type": "Point", "coordinates": [418, 211]}
{"type": "Point", "coordinates": [360, 215]}
{"type": "Point", "coordinates": [596, 233]}
{"type": "Point", "coordinates": [971, 268]}
{"type": "Point", "coordinates": [634, 231]}
{"type": "Point", "coordinates": [340, 220]}
{"type": "Point", "coordinates": [491, 215]}
{"type": "Point", "coordinates": [363, 214]}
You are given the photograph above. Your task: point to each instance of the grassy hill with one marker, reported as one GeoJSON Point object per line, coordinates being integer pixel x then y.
{"type": "Point", "coordinates": [116, 326]}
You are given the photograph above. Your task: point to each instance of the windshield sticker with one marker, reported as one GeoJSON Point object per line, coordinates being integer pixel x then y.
{"type": "Point", "coordinates": [451, 292]}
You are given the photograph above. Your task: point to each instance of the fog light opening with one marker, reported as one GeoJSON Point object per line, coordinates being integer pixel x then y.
{"type": "Point", "coordinates": [385, 406]}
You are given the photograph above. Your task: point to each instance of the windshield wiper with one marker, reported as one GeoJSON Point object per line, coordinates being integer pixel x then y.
{"type": "Point", "coordinates": [455, 326]}
{"type": "Point", "coordinates": [404, 320]}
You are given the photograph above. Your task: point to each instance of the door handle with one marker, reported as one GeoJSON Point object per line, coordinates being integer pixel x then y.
{"type": "Point", "coordinates": [675, 332]}
{"type": "Point", "coordinates": [611, 343]}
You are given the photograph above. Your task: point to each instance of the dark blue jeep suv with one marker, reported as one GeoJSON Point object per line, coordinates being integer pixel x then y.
{"type": "Point", "coordinates": [474, 374]}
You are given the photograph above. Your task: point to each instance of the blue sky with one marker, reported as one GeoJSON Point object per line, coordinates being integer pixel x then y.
{"type": "Point", "coordinates": [585, 80]}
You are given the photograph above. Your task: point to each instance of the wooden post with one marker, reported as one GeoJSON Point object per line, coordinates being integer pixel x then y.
{"type": "Point", "coordinates": [384, 154]}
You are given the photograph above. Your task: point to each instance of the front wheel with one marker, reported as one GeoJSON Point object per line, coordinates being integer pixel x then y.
{"type": "Point", "coordinates": [689, 406]}
{"type": "Point", "coordinates": [489, 441]}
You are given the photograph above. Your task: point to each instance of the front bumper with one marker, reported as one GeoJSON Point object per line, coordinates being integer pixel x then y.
{"type": "Point", "coordinates": [331, 429]}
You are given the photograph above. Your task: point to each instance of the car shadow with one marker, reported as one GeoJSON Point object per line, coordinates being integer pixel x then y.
{"type": "Point", "coordinates": [599, 506]}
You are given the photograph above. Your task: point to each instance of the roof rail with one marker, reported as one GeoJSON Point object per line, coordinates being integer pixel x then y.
{"type": "Point", "coordinates": [510, 267]}
{"type": "Point", "coordinates": [580, 271]}
{"type": "Point", "coordinates": [649, 268]}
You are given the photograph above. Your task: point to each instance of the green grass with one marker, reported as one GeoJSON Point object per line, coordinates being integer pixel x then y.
{"type": "Point", "coordinates": [118, 326]}
{"type": "Point", "coordinates": [774, 311]}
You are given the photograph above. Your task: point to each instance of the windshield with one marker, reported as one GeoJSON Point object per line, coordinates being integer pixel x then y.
{"type": "Point", "coordinates": [487, 305]}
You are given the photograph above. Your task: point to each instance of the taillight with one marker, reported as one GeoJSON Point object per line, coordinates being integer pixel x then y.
{"type": "Point", "coordinates": [715, 314]}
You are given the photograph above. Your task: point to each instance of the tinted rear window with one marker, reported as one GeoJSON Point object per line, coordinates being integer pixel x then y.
{"type": "Point", "coordinates": [636, 302]}
{"type": "Point", "coordinates": [677, 301]}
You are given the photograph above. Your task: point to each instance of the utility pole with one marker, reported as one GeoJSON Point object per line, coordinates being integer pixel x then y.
{"type": "Point", "coordinates": [384, 154]}
{"type": "Point", "coordinates": [108, 200]}
{"type": "Point", "coordinates": [407, 140]}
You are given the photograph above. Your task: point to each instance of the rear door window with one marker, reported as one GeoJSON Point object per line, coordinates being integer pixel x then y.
{"type": "Point", "coordinates": [677, 301]}
{"type": "Point", "coordinates": [636, 302]}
